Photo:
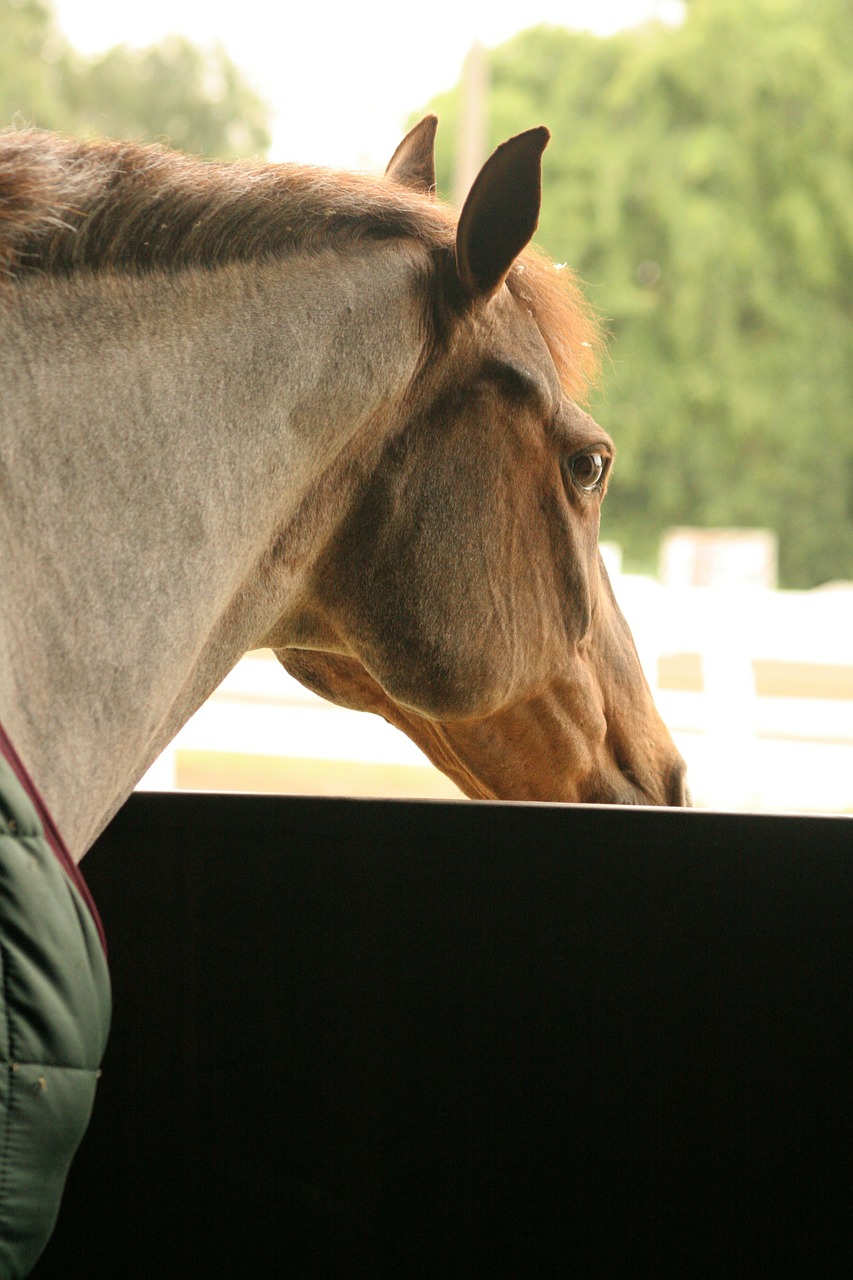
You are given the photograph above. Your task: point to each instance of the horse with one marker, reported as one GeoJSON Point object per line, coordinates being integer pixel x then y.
{"type": "Point", "coordinates": [249, 405]}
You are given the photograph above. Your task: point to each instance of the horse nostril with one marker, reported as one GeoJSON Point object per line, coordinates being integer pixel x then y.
{"type": "Point", "coordinates": [677, 791]}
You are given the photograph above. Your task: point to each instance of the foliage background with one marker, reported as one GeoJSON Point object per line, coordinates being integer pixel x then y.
{"type": "Point", "coordinates": [700, 180]}
{"type": "Point", "coordinates": [195, 99]}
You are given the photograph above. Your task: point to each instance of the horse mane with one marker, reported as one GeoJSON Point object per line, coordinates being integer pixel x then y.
{"type": "Point", "coordinates": [70, 205]}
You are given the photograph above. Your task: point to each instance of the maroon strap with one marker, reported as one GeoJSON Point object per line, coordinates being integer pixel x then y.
{"type": "Point", "coordinates": [51, 832]}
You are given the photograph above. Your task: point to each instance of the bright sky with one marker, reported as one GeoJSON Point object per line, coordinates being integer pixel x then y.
{"type": "Point", "coordinates": [341, 78]}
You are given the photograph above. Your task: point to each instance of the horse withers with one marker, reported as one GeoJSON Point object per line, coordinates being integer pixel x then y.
{"type": "Point", "coordinates": [250, 405]}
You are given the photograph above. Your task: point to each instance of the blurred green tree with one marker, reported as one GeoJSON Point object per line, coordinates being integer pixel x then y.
{"type": "Point", "coordinates": [193, 99]}
{"type": "Point", "coordinates": [30, 48]}
{"type": "Point", "coordinates": [700, 178]}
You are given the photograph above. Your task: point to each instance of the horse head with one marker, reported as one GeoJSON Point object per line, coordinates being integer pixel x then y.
{"type": "Point", "coordinates": [463, 596]}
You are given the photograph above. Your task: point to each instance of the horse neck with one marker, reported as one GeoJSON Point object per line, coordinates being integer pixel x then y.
{"type": "Point", "coordinates": [157, 436]}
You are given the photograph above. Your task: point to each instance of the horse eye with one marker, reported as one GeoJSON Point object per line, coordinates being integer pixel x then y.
{"type": "Point", "coordinates": [587, 471]}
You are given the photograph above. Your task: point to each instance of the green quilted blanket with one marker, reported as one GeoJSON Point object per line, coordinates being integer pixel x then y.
{"type": "Point", "coordinates": [54, 1019]}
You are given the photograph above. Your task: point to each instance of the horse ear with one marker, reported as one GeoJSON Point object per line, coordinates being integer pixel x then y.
{"type": "Point", "coordinates": [413, 163]}
{"type": "Point", "coordinates": [501, 213]}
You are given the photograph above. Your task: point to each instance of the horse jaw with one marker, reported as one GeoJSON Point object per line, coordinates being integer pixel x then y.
{"type": "Point", "coordinates": [554, 746]}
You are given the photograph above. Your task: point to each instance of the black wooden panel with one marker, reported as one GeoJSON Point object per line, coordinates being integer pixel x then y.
{"type": "Point", "coordinates": [386, 1039]}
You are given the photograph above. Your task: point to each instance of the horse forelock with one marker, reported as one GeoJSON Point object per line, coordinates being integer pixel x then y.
{"type": "Point", "coordinates": [69, 205]}
{"type": "Point", "coordinates": [571, 329]}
